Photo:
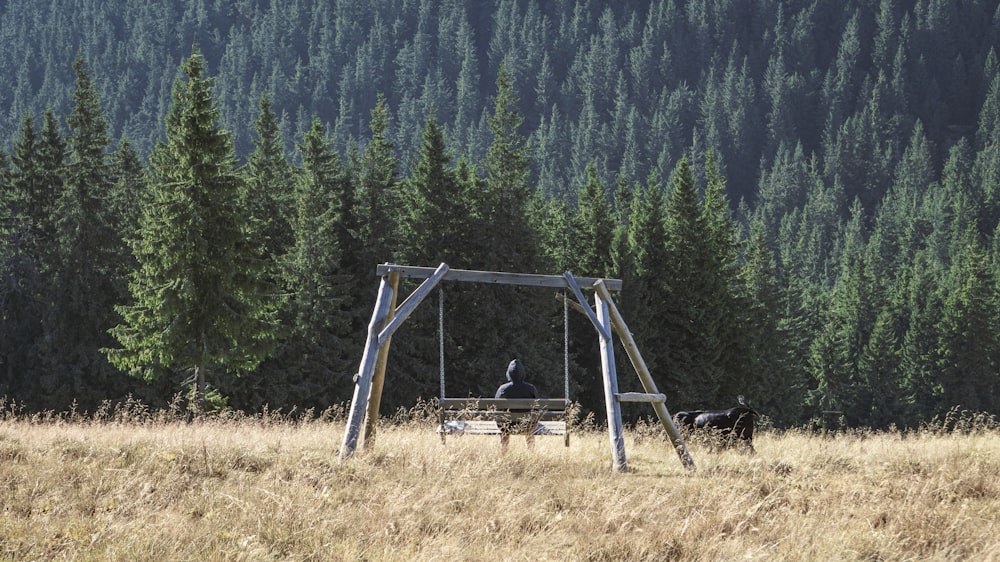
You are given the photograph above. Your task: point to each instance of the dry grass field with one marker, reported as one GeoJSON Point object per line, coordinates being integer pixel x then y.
{"type": "Point", "coordinates": [267, 488]}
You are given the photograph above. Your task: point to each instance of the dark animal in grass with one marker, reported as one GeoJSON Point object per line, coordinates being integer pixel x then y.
{"type": "Point", "coordinates": [733, 426]}
{"type": "Point", "coordinates": [686, 419]}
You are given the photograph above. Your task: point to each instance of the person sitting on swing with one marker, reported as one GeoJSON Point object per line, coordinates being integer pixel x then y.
{"type": "Point", "coordinates": [516, 387]}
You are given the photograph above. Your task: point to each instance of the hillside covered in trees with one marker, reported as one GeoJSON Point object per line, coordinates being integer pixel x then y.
{"type": "Point", "coordinates": [801, 198]}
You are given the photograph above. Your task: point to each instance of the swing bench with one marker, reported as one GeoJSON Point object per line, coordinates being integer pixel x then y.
{"type": "Point", "coordinates": [479, 416]}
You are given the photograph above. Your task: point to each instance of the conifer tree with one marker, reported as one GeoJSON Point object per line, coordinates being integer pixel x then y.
{"type": "Point", "coordinates": [437, 214]}
{"type": "Point", "coordinates": [10, 295]}
{"type": "Point", "coordinates": [508, 198]}
{"type": "Point", "coordinates": [436, 223]}
{"type": "Point", "coordinates": [593, 228]}
{"type": "Point", "coordinates": [310, 366]}
{"type": "Point", "coordinates": [378, 191]}
{"type": "Point", "coordinates": [839, 384]}
{"type": "Point", "coordinates": [46, 182]}
{"type": "Point", "coordinates": [643, 270]}
{"type": "Point", "coordinates": [509, 318]}
{"type": "Point", "coordinates": [775, 383]}
{"type": "Point", "coordinates": [268, 189]}
{"type": "Point", "coordinates": [590, 237]}
{"type": "Point", "coordinates": [698, 296]}
{"type": "Point", "coordinates": [969, 345]}
{"type": "Point", "coordinates": [86, 278]}
{"type": "Point", "coordinates": [200, 304]}
{"type": "Point", "coordinates": [21, 286]}
{"type": "Point", "coordinates": [129, 192]}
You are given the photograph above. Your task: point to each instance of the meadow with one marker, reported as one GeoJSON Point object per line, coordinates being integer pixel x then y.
{"type": "Point", "coordinates": [151, 486]}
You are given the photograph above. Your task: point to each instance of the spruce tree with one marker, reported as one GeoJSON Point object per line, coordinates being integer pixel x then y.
{"type": "Point", "coordinates": [86, 280]}
{"type": "Point", "coordinates": [510, 319]}
{"type": "Point", "coordinates": [775, 383]}
{"type": "Point", "coordinates": [200, 304]}
{"type": "Point", "coordinates": [591, 238]}
{"type": "Point", "coordinates": [593, 228]}
{"type": "Point", "coordinates": [643, 270]}
{"type": "Point", "coordinates": [268, 189]}
{"type": "Point", "coordinates": [969, 345]}
{"type": "Point", "coordinates": [437, 214]}
{"type": "Point", "coordinates": [697, 295]}
{"type": "Point", "coordinates": [378, 191]}
{"type": "Point", "coordinates": [129, 192]}
{"type": "Point", "coordinates": [436, 222]}
{"type": "Point", "coordinates": [310, 366]}
{"type": "Point", "coordinates": [21, 281]}
{"type": "Point", "coordinates": [508, 197]}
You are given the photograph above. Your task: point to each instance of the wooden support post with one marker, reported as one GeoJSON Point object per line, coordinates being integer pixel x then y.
{"type": "Point", "coordinates": [412, 302]}
{"type": "Point", "coordinates": [363, 384]}
{"type": "Point", "coordinates": [628, 342]}
{"type": "Point", "coordinates": [611, 388]}
{"type": "Point", "coordinates": [378, 380]}
{"type": "Point", "coordinates": [603, 330]}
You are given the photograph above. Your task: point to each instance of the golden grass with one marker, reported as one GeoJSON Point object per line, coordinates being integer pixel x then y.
{"type": "Point", "coordinates": [266, 489]}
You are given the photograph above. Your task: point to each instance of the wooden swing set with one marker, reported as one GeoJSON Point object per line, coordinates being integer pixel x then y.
{"type": "Point", "coordinates": [605, 317]}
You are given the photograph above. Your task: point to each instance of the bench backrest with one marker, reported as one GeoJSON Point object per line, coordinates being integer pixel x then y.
{"type": "Point", "coordinates": [504, 404]}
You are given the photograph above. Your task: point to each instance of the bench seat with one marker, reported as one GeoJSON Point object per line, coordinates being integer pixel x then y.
{"type": "Point", "coordinates": [479, 416]}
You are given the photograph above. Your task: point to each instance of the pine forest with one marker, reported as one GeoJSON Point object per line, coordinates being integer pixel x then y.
{"type": "Point", "coordinates": [801, 198]}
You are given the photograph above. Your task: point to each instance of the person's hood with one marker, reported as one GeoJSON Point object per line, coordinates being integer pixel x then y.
{"type": "Point", "coordinates": [516, 371]}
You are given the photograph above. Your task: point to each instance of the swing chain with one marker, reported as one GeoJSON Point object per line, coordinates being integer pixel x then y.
{"type": "Point", "coordinates": [441, 337]}
{"type": "Point", "coordinates": [566, 343]}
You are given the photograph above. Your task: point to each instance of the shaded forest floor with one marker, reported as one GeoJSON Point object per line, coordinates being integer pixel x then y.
{"type": "Point", "coordinates": [267, 488]}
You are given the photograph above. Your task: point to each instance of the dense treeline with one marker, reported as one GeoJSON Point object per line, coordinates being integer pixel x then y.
{"type": "Point", "coordinates": [800, 197]}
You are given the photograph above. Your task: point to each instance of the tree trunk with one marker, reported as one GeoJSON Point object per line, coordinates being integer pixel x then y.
{"type": "Point", "coordinates": [199, 391]}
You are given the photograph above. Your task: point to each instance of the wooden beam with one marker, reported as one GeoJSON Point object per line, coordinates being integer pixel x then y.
{"type": "Point", "coordinates": [640, 397]}
{"type": "Point", "coordinates": [602, 328]}
{"type": "Point", "coordinates": [411, 302]}
{"type": "Point", "coordinates": [494, 277]}
{"type": "Point", "coordinates": [614, 412]}
{"type": "Point", "coordinates": [572, 304]}
{"type": "Point", "coordinates": [628, 342]}
{"type": "Point", "coordinates": [363, 383]}
{"type": "Point", "coordinates": [378, 380]}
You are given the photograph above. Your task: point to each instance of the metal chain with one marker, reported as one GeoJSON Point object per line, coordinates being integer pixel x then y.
{"type": "Point", "coordinates": [566, 342]}
{"type": "Point", "coordinates": [441, 337]}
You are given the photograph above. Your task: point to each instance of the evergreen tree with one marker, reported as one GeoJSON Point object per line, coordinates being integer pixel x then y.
{"type": "Point", "coordinates": [437, 214]}
{"type": "Point", "coordinates": [310, 367]}
{"type": "Point", "coordinates": [129, 193]}
{"type": "Point", "coordinates": [200, 304]}
{"type": "Point", "coordinates": [880, 365]}
{"type": "Point", "coordinates": [724, 307]}
{"type": "Point", "coordinates": [48, 178]}
{"type": "Point", "coordinates": [919, 354]}
{"type": "Point", "coordinates": [509, 319]}
{"type": "Point", "coordinates": [86, 280]}
{"type": "Point", "coordinates": [834, 364]}
{"type": "Point", "coordinates": [24, 209]}
{"type": "Point", "coordinates": [507, 199]}
{"type": "Point", "coordinates": [968, 325]}
{"type": "Point", "coordinates": [378, 191]}
{"type": "Point", "coordinates": [268, 186]}
{"type": "Point", "coordinates": [593, 232]}
{"type": "Point", "coordinates": [775, 383]}
{"type": "Point", "coordinates": [435, 225]}
{"type": "Point", "coordinates": [691, 283]}
{"type": "Point", "coordinates": [370, 212]}
{"type": "Point", "coordinates": [643, 269]}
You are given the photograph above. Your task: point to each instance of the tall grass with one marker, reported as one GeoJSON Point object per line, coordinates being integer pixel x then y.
{"type": "Point", "coordinates": [134, 485]}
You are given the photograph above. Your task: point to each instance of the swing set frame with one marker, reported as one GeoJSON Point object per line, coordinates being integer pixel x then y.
{"type": "Point", "coordinates": [387, 317]}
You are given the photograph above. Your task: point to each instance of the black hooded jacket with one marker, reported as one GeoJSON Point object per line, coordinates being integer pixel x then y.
{"type": "Point", "coordinates": [517, 387]}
